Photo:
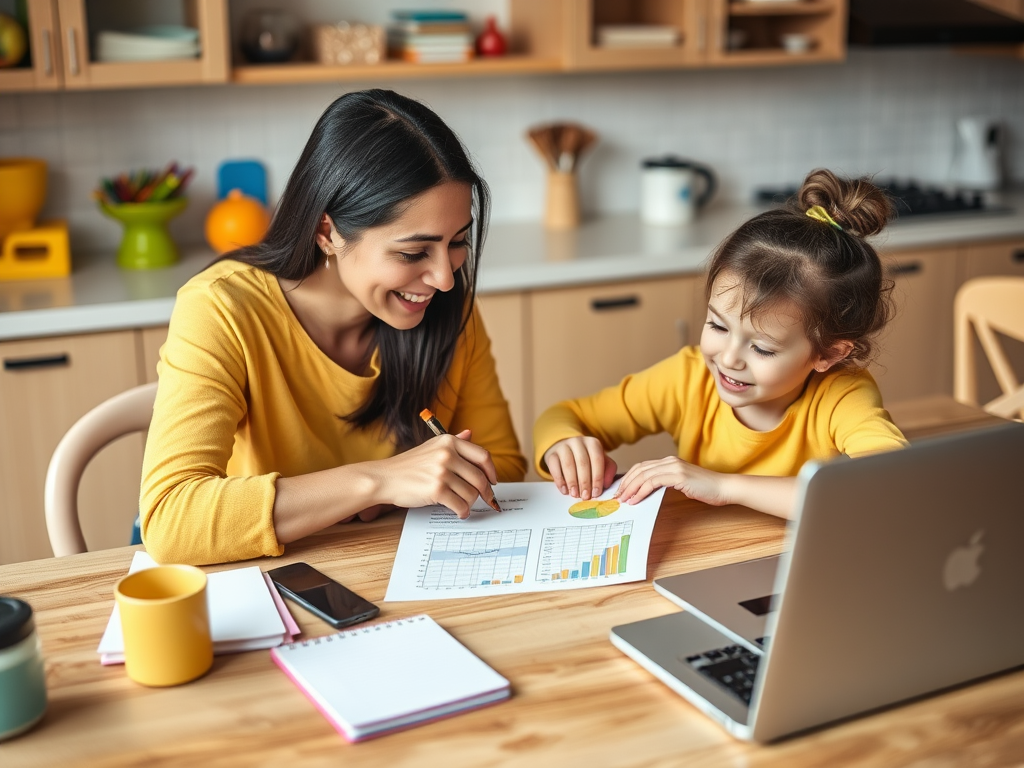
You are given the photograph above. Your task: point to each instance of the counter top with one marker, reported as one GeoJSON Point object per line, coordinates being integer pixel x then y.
{"type": "Point", "coordinates": [98, 296]}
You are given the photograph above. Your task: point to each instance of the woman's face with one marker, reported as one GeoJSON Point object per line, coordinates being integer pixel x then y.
{"type": "Point", "coordinates": [395, 270]}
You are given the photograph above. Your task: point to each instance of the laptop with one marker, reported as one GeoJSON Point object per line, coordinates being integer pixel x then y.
{"type": "Point", "coordinates": [904, 576]}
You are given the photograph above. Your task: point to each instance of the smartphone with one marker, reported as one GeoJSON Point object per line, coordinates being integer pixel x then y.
{"type": "Point", "coordinates": [321, 595]}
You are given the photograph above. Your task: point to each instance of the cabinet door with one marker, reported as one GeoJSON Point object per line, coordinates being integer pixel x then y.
{"type": "Point", "coordinates": [150, 341]}
{"type": "Point", "coordinates": [505, 319]}
{"type": "Point", "coordinates": [45, 386]}
{"type": "Point", "coordinates": [42, 69]}
{"type": "Point", "coordinates": [994, 260]}
{"type": "Point", "coordinates": [83, 69]}
{"type": "Point", "coordinates": [584, 339]}
{"type": "Point", "coordinates": [916, 350]}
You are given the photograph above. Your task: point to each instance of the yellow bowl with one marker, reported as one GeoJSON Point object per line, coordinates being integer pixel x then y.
{"type": "Point", "coordinates": [22, 193]}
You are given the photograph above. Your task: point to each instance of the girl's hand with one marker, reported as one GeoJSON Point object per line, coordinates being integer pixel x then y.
{"type": "Point", "coordinates": [448, 470]}
{"type": "Point", "coordinates": [580, 467]}
{"type": "Point", "coordinates": [672, 472]}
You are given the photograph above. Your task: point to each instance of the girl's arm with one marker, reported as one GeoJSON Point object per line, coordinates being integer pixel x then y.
{"type": "Point", "coordinates": [772, 495]}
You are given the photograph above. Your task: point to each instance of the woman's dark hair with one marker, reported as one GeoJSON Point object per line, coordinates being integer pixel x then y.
{"type": "Point", "coordinates": [370, 152]}
{"type": "Point", "coordinates": [830, 272]}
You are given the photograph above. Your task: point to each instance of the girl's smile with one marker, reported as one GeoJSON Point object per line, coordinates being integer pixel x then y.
{"type": "Point", "coordinates": [760, 365]}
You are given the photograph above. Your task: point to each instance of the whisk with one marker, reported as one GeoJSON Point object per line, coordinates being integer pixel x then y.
{"type": "Point", "coordinates": [561, 145]}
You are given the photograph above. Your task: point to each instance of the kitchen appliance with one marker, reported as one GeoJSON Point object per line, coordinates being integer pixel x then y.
{"type": "Point", "coordinates": [930, 22]}
{"type": "Point", "coordinates": [672, 190]}
{"type": "Point", "coordinates": [29, 249]}
{"type": "Point", "coordinates": [977, 155]}
{"type": "Point", "coordinates": [911, 199]}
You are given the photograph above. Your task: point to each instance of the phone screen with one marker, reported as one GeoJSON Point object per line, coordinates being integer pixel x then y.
{"type": "Point", "coordinates": [331, 601]}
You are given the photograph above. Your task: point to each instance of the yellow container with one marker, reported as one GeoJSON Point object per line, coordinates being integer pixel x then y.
{"type": "Point", "coordinates": [166, 624]}
{"type": "Point", "coordinates": [36, 253]}
{"type": "Point", "coordinates": [22, 193]}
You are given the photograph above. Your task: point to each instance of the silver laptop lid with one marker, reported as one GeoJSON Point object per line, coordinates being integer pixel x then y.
{"type": "Point", "coordinates": [906, 576]}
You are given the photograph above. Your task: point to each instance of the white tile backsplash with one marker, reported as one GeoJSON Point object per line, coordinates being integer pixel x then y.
{"type": "Point", "coordinates": [889, 112]}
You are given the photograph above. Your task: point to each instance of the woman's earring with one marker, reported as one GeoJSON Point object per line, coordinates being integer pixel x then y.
{"type": "Point", "coordinates": [327, 261]}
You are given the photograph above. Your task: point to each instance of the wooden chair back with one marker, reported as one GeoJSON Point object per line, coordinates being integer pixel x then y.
{"type": "Point", "coordinates": [989, 305]}
{"type": "Point", "coordinates": [128, 412]}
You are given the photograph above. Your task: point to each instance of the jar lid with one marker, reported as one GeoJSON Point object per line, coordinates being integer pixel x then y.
{"type": "Point", "coordinates": [668, 161]}
{"type": "Point", "coordinates": [15, 621]}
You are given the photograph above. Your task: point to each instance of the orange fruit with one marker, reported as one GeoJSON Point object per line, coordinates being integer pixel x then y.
{"type": "Point", "coordinates": [235, 221]}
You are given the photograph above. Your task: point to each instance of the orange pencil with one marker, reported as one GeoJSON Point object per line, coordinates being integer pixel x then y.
{"type": "Point", "coordinates": [435, 426]}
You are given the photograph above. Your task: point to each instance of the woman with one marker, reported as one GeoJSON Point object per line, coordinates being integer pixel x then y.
{"type": "Point", "coordinates": [295, 369]}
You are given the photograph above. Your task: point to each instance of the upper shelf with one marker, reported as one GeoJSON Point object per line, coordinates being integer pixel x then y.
{"type": "Point", "coordinates": [310, 72]}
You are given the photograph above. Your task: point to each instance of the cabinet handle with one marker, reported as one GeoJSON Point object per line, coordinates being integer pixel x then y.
{"type": "Point", "coordinates": [1017, 257]}
{"type": "Point", "coordinates": [620, 302]}
{"type": "Point", "coordinates": [72, 51]}
{"type": "Point", "coordinates": [47, 53]}
{"type": "Point", "coordinates": [702, 32]}
{"type": "Point", "coordinates": [909, 268]}
{"type": "Point", "coordinates": [31, 363]}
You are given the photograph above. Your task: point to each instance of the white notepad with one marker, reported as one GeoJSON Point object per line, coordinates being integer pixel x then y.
{"type": "Point", "coordinates": [389, 676]}
{"type": "Point", "coordinates": [244, 616]}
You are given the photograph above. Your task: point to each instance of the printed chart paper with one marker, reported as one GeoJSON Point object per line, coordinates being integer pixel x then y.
{"type": "Point", "coordinates": [541, 541]}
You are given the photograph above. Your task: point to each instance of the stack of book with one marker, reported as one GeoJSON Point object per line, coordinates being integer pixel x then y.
{"type": "Point", "coordinates": [430, 37]}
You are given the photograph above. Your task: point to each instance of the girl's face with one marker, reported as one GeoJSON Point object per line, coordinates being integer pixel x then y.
{"type": "Point", "coordinates": [760, 364]}
{"type": "Point", "coordinates": [396, 269]}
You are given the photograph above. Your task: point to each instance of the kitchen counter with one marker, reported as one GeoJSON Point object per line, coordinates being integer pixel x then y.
{"type": "Point", "coordinates": [98, 296]}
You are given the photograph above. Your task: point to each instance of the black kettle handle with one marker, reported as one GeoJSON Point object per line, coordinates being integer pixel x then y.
{"type": "Point", "coordinates": [710, 183]}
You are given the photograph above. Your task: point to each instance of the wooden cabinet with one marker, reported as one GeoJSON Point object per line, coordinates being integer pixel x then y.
{"type": "Point", "coordinates": [916, 349]}
{"type": "Point", "coordinates": [63, 35]}
{"type": "Point", "coordinates": [41, 69]}
{"type": "Point", "coordinates": [45, 386]}
{"type": "Point", "coordinates": [760, 32]}
{"type": "Point", "coordinates": [583, 339]}
{"type": "Point", "coordinates": [505, 318]}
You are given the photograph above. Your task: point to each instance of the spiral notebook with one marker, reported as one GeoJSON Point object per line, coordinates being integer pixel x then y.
{"type": "Point", "coordinates": [386, 677]}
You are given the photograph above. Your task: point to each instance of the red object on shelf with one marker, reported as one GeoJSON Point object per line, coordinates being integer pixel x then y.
{"type": "Point", "coordinates": [491, 42]}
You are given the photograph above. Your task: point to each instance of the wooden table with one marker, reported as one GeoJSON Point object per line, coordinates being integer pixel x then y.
{"type": "Point", "coordinates": [576, 699]}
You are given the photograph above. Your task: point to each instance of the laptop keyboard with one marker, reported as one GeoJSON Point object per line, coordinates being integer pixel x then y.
{"type": "Point", "coordinates": [732, 667]}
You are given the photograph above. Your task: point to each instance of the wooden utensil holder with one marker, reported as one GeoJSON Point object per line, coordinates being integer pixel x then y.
{"type": "Point", "coordinates": [562, 209]}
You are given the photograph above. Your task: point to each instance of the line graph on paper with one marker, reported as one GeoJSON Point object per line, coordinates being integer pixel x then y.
{"type": "Point", "coordinates": [473, 559]}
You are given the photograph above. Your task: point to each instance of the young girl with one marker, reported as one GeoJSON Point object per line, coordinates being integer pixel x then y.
{"type": "Point", "coordinates": [294, 370]}
{"type": "Point", "coordinates": [795, 297]}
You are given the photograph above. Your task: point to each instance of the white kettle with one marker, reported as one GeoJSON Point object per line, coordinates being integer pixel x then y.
{"type": "Point", "coordinates": [977, 157]}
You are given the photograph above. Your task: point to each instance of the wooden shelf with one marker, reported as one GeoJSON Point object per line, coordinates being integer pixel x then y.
{"type": "Point", "coordinates": [308, 72]}
{"type": "Point", "coordinates": [798, 8]}
{"type": "Point", "coordinates": [773, 56]}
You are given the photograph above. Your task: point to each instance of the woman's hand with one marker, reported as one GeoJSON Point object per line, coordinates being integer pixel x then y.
{"type": "Point", "coordinates": [370, 513]}
{"type": "Point", "coordinates": [580, 467]}
{"type": "Point", "coordinates": [671, 472]}
{"type": "Point", "coordinates": [448, 470]}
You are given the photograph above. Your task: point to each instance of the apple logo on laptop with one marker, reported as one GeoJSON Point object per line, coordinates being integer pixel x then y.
{"type": "Point", "coordinates": [962, 564]}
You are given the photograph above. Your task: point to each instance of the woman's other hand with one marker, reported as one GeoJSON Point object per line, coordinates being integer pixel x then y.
{"type": "Point", "coordinates": [579, 467]}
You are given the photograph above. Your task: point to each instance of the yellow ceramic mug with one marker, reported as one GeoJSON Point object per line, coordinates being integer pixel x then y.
{"type": "Point", "coordinates": [166, 624]}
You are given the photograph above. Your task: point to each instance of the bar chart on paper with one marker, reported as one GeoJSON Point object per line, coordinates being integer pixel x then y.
{"type": "Point", "coordinates": [584, 552]}
{"type": "Point", "coordinates": [473, 559]}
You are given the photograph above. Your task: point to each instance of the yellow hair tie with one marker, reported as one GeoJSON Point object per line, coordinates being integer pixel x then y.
{"type": "Point", "coordinates": [819, 213]}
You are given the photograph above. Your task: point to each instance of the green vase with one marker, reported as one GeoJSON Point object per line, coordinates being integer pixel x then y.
{"type": "Point", "coordinates": [146, 243]}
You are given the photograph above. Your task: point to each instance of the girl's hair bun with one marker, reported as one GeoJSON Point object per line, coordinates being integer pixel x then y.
{"type": "Point", "coordinates": [858, 206]}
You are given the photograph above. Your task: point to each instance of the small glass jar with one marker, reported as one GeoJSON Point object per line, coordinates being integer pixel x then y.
{"type": "Point", "coordinates": [22, 678]}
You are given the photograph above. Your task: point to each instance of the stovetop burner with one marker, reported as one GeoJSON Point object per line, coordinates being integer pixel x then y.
{"type": "Point", "coordinates": [910, 198]}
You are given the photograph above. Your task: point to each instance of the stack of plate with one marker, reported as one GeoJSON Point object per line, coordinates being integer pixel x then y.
{"type": "Point", "coordinates": [152, 43]}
